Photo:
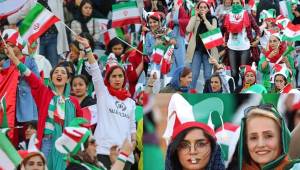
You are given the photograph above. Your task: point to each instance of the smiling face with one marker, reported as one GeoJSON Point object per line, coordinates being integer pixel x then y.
{"type": "Point", "coordinates": [60, 77]}
{"type": "Point", "coordinates": [194, 151]}
{"type": "Point", "coordinates": [250, 78]}
{"type": "Point", "coordinates": [215, 84]}
{"type": "Point", "coordinates": [186, 80]}
{"type": "Point", "coordinates": [116, 79]}
{"type": "Point", "coordinates": [263, 139]}
{"type": "Point", "coordinates": [154, 24]}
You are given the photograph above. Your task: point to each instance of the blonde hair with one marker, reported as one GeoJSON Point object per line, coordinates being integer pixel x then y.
{"type": "Point", "coordinates": [263, 113]}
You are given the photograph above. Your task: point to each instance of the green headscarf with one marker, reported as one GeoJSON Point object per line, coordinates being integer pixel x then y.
{"type": "Point", "coordinates": [285, 139]}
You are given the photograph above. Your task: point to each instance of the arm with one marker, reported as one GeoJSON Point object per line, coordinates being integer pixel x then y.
{"type": "Point", "coordinates": [191, 25]}
{"type": "Point", "coordinates": [210, 26]}
{"type": "Point", "coordinates": [123, 156]}
{"type": "Point", "coordinates": [263, 65]}
{"type": "Point", "coordinates": [94, 70]}
{"type": "Point", "coordinates": [133, 127]}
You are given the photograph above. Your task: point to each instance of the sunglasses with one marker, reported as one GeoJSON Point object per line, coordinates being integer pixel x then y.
{"type": "Point", "coordinates": [268, 107]}
{"type": "Point", "coordinates": [92, 141]}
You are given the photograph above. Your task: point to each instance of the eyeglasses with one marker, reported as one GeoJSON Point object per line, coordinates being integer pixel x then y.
{"type": "Point", "coordinates": [269, 107]}
{"type": "Point", "coordinates": [199, 146]}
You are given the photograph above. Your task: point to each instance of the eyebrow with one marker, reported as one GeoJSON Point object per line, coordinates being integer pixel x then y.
{"type": "Point", "coordinates": [197, 140]}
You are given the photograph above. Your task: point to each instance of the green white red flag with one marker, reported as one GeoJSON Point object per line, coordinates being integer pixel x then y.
{"type": "Point", "coordinates": [212, 38]}
{"type": "Point", "coordinates": [125, 13]}
{"type": "Point", "coordinates": [291, 32]}
{"type": "Point", "coordinates": [111, 34]}
{"type": "Point", "coordinates": [38, 20]}
{"type": "Point", "coordinates": [10, 158]}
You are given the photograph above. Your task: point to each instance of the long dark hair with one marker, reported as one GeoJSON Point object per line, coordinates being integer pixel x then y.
{"type": "Point", "coordinates": [172, 160]}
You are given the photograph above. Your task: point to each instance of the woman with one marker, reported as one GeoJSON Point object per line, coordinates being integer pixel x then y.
{"type": "Point", "coordinates": [79, 85]}
{"type": "Point", "coordinates": [178, 21]}
{"type": "Point", "coordinates": [83, 154]}
{"type": "Point", "coordinates": [214, 84]}
{"type": "Point", "coordinates": [264, 139]}
{"type": "Point", "coordinates": [86, 23]}
{"type": "Point", "coordinates": [274, 55]}
{"type": "Point", "coordinates": [116, 111]}
{"type": "Point", "coordinates": [53, 103]}
{"type": "Point", "coordinates": [197, 54]}
{"type": "Point", "coordinates": [248, 75]}
{"type": "Point", "coordinates": [32, 161]}
{"type": "Point", "coordinates": [222, 10]}
{"type": "Point", "coordinates": [238, 25]}
{"type": "Point", "coordinates": [194, 148]}
{"type": "Point", "coordinates": [180, 81]}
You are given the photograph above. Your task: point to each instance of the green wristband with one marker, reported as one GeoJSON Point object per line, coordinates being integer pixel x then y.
{"type": "Point", "coordinates": [22, 67]}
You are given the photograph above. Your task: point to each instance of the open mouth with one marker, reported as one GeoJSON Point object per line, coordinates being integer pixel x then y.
{"type": "Point", "coordinates": [194, 160]}
{"type": "Point", "coordinates": [59, 79]}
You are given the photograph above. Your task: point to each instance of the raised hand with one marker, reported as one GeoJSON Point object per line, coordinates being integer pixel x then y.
{"type": "Point", "coordinates": [83, 41]}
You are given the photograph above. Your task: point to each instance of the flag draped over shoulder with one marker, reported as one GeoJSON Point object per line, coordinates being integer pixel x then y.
{"type": "Point", "coordinates": [212, 38]}
{"type": "Point", "coordinates": [10, 158]}
{"type": "Point", "coordinates": [9, 7]}
{"type": "Point", "coordinates": [38, 20]}
{"type": "Point", "coordinates": [8, 87]}
{"type": "Point", "coordinates": [125, 13]}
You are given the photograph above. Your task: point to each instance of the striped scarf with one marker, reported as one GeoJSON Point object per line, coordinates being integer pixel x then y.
{"type": "Point", "coordinates": [56, 121]}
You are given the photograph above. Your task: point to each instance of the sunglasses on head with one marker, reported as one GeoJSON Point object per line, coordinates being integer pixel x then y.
{"type": "Point", "coordinates": [268, 107]}
{"type": "Point", "coordinates": [92, 141]}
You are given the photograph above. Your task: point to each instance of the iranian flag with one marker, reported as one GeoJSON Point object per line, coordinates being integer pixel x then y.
{"type": "Point", "coordinates": [158, 53]}
{"type": "Point", "coordinates": [125, 13]}
{"type": "Point", "coordinates": [228, 138]}
{"type": "Point", "coordinates": [90, 114]}
{"type": "Point", "coordinates": [291, 32]}
{"type": "Point", "coordinates": [286, 9]}
{"type": "Point", "coordinates": [212, 38]}
{"type": "Point", "coordinates": [111, 34]}
{"type": "Point", "coordinates": [38, 20]}
{"type": "Point", "coordinates": [4, 123]}
{"type": "Point", "coordinates": [166, 61]}
{"type": "Point", "coordinates": [10, 158]}
{"type": "Point", "coordinates": [9, 7]}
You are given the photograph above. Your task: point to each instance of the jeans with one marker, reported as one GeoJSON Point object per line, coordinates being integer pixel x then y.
{"type": "Point", "coordinates": [48, 48]}
{"type": "Point", "coordinates": [236, 59]}
{"type": "Point", "coordinates": [199, 58]}
{"type": "Point", "coordinates": [46, 146]}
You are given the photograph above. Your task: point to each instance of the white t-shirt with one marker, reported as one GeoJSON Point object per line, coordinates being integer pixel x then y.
{"type": "Point", "coordinates": [116, 118]}
{"type": "Point", "coordinates": [239, 41]}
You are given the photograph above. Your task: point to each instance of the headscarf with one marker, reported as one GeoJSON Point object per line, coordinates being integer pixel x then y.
{"type": "Point", "coordinates": [121, 94]}
{"type": "Point", "coordinates": [175, 81]}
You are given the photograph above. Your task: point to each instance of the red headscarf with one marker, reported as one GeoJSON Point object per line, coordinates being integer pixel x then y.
{"type": "Point", "coordinates": [282, 48]}
{"type": "Point", "coordinates": [121, 94]}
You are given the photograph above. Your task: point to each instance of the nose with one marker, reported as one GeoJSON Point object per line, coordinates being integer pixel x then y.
{"type": "Point", "coordinates": [261, 142]}
{"type": "Point", "coordinates": [193, 149]}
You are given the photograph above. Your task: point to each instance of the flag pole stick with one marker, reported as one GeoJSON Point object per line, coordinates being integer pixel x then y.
{"type": "Point", "coordinates": [69, 28]}
{"type": "Point", "coordinates": [130, 45]}
{"type": "Point", "coordinates": [3, 40]}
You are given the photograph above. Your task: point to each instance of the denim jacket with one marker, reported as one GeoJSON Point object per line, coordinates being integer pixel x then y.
{"type": "Point", "coordinates": [26, 109]}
